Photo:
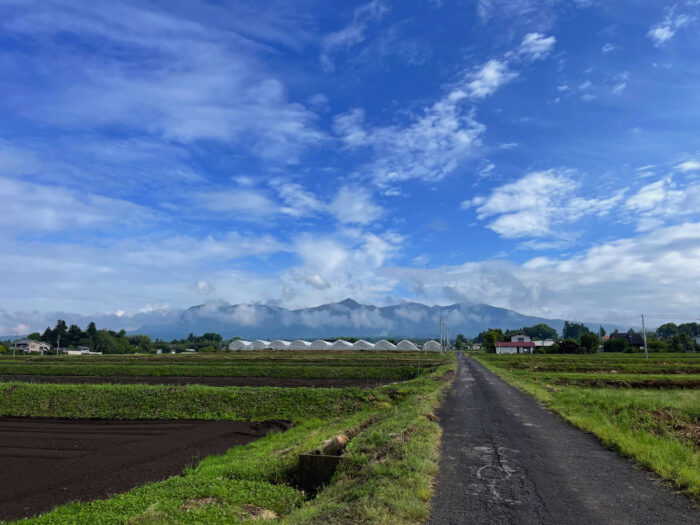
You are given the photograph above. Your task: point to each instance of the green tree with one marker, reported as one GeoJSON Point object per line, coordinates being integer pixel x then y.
{"type": "Point", "coordinates": [574, 330]}
{"type": "Point", "coordinates": [60, 330]}
{"type": "Point", "coordinates": [541, 331]}
{"type": "Point", "coordinates": [682, 343]}
{"type": "Point", "coordinates": [615, 345]}
{"type": "Point", "coordinates": [74, 335]}
{"type": "Point", "coordinates": [590, 343]}
{"type": "Point", "coordinates": [667, 331]}
{"type": "Point", "coordinates": [691, 329]}
{"type": "Point", "coordinates": [34, 336]}
{"type": "Point", "coordinates": [461, 343]}
{"type": "Point", "coordinates": [491, 337]}
{"type": "Point", "coordinates": [47, 336]}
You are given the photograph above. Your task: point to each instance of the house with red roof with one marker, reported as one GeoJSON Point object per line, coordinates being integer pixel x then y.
{"type": "Point", "coordinates": [518, 344]}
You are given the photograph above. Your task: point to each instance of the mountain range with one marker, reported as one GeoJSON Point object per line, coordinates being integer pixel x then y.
{"type": "Point", "coordinates": [346, 318]}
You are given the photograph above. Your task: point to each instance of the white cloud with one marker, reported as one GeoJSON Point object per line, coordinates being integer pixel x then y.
{"type": "Point", "coordinates": [689, 165]}
{"type": "Point", "coordinates": [485, 80]}
{"type": "Point", "coordinates": [536, 45]}
{"type": "Point", "coordinates": [608, 48]}
{"type": "Point", "coordinates": [661, 201]}
{"type": "Point", "coordinates": [532, 205]}
{"type": "Point", "coordinates": [618, 88]}
{"type": "Point", "coordinates": [667, 28]}
{"type": "Point", "coordinates": [39, 207]}
{"type": "Point", "coordinates": [354, 205]}
{"type": "Point", "coordinates": [175, 77]}
{"type": "Point", "coordinates": [429, 148]}
{"type": "Point", "coordinates": [354, 32]}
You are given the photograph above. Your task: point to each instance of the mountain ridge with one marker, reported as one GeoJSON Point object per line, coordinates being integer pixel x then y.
{"type": "Point", "coordinates": [345, 318]}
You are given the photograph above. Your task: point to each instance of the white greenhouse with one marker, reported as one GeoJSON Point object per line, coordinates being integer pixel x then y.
{"type": "Point", "coordinates": [240, 344]}
{"type": "Point", "coordinates": [362, 345]}
{"type": "Point", "coordinates": [279, 344]}
{"type": "Point", "coordinates": [384, 345]}
{"type": "Point", "coordinates": [406, 345]}
{"type": "Point", "coordinates": [320, 345]}
{"type": "Point", "coordinates": [259, 344]}
{"type": "Point", "coordinates": [300, 344]}
{"type": "Point", "coordinates": [342, 345]}
{"type": "Point", "coordinates": [432, 346]}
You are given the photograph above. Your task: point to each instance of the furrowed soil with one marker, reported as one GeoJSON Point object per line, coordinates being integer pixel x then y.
{"type": "Point", "coordinates": [47, 462]}
{"type": "Point", "coordinates": [285, 382]}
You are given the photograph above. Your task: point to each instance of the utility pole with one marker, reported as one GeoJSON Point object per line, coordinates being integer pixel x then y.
{"type": "Point", "coordinates": [442, 334]}
{"type": "Point", "coordinates": [644, 335]}
{"type": "Point", "coordinates": [14, 347]}
{"type": "Point", "coordinates": [58, 345]}
{"type": "Point", "coordinates": [600, 334]}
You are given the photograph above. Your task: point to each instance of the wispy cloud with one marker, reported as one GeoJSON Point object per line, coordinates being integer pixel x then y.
{"type": "Point", "coordinates": [667, 28]}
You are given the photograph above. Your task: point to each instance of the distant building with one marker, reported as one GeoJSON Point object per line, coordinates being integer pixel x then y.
{"type": "Point", "coordinates": [545, 343]}
{"type": "Point", "coordinates": [32, 347]}
{"type": "Point", "coordinates": [518, 344]}
{"type": "Point", "coordinates": [633, 339]}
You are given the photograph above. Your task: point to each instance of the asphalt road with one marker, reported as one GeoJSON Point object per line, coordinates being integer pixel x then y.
{"type": "Point", "coordinates": [505, 459]}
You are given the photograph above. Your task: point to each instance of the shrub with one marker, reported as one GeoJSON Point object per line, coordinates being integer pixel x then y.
{"type": "Point", "coordinates": [615, 345]}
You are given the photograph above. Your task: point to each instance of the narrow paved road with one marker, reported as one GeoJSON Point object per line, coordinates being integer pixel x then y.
{"type": "Point", "coordinates": [507, 460]}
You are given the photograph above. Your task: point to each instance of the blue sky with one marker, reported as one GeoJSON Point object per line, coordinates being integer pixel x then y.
{"type": "Point", "coordinates": [537, 155]}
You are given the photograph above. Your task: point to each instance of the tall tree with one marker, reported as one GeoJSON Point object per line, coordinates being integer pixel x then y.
{"type": "Point", "coordinates": [574, 330]}
{"type": "Point", "coordinates": [667, 331]}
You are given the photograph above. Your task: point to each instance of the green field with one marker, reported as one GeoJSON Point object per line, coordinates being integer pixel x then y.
{"type": "Point", "coordinates": [389, 464]}
{"type": "Point", "coordinates": [648, 410]}
{"type": "Point", "coordinates": [339, 365]}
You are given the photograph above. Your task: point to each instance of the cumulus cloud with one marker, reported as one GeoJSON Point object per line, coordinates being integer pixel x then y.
{"type": "Point", "coordinates": [532, 205]}
{"type": "Point", "coordinates": [658, 202]}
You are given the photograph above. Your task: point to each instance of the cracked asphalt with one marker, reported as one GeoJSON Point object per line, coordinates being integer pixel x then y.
{"type": "Point", "coordinates": [505, 459]}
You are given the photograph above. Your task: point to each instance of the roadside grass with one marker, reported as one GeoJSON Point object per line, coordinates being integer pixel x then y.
{"type": "Point", "coordinates": [659, 428]}
{"type": "Point", "coordinates": [386, 476]}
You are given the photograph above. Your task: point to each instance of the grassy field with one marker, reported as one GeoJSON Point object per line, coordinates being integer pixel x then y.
{"type": "Point", "coordinates": [337, 365]}
{"type": "Point", "coordinates": [648, 410]}
{"type": "Point", "coordinates": [386, 477]}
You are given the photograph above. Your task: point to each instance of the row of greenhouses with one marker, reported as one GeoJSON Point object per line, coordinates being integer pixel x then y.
{"type": "Point", "coordinates": [319, 344]}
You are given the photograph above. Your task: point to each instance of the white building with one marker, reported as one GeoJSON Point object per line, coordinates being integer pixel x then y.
{"type": "Point", "coordinates": [319, 344]}
{"type": "Point", "coordinates": [260, 344]}
{"type": "Point", "coordinates": [341, 345]}
{"type": "Point", "coordinates": [432, 346]}
{"type": "Point", "coordinates": [31, 346]}
{"type": "Point", "coordinates": [406, 345]}
{"type": "Point", "coordinates": [384, 345]}
{"type": "Point", "coordinates": [240, 344]}
{"type": "Point", "coordinates": [518, 344]}
{"type": "Point", "coordinates": [279, 344]}
{"type": "Point", "coordinates": [362, 345]}
{"type": "Point", "coordinates": [300, 344]}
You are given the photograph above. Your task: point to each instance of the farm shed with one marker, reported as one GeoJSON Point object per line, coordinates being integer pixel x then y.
{"type": "Point", "coordinates": [299, 344]}
{"type": "Point", "coordinates": [406, 345]}
{"type": "Point", "coordinates": [363, 345]}
{"type": "Point", "coordinates": [384, 345]}
{"type": "Point", "coordinates": [240, 344]}
{"type": "Point", "coordinates": [320, 345]}
{"type": "Point", "coordinates": [259, 344]}
{"type": "Point", "coordinates": [342, 345]}
{"type": "Point", "coordinates": [279, 344]}
{"type": "Point", "coordinates": [431, 346]}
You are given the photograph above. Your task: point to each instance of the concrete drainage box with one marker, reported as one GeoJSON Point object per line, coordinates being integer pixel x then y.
{"type": "Point", "coordinates": [316, 470]}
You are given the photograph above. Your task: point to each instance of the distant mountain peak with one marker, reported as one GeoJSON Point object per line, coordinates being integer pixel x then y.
{"type": "Point", "coordinates": [350, 303]}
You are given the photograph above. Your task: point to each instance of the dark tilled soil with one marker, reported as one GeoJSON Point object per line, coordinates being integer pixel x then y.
{"type": "Point", "coordinates": [47, 462]}
{"type": "Point", "coordinates": [291, 382]}
{"type": "Point", "coordinates": [506, 460]}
